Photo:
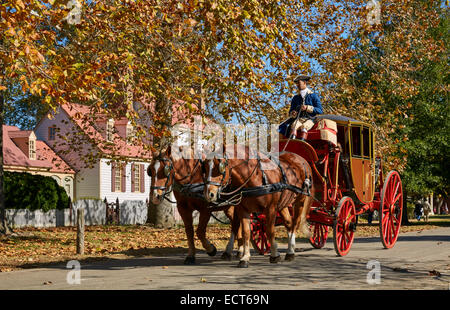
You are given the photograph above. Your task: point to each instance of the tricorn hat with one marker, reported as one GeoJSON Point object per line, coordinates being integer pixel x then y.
{"type": "Point", "coordinates": [302, 78]}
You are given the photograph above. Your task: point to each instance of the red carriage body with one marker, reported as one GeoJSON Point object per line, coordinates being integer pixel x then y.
{"type": "Point", "coordinates": [348, 181]}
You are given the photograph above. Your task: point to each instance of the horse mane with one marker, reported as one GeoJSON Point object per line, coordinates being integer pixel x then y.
{"type": "Point", "coordinates": [249, 153]}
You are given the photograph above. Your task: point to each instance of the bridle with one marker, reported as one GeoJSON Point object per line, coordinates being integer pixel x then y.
{"type": "Point", "coordinates": [223, 184]}
{"type": "Point", "coordinates": [168, 172]}
{"type": "Point", "coordinates": [223, 165]}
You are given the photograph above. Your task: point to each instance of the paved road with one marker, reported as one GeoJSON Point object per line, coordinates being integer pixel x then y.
{"type": "Point", "coordinates": [406, 266]}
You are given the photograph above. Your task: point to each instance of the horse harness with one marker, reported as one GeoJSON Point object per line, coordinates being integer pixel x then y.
{"type": "Point", "coordinates": [196, 190]}
{"type": "Point", "coordinates": [263, 189]}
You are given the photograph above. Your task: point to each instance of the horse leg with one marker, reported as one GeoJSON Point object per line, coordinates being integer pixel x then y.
{"type": "Point", "coordinates": [240, 242]}
{"type": "Point", "coordinates": [234, 220]}
{"type": "Point", "coordinates": [303, 217]}
{"type": "Point", "coordinates": [205, 215]}
{"type": "Point", "coordinates": [245, 226]}
{"type": "Point", "coordinates": [270, 232]}
{"type": "Point", "coordinates": [238, 234]}
{"type": "Point", "coordinates": [186, 216]}
{"type": "Point", "coordinates": [289, 223]}
{"type": "Point", "coordinates": [287, 218]}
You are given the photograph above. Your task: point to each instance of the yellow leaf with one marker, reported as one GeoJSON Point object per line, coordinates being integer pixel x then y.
{"type": "Point", "coordinates": [20, 3]}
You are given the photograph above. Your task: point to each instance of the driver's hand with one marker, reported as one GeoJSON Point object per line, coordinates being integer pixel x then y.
{"type": "Point", "coordinates": [294, 114]}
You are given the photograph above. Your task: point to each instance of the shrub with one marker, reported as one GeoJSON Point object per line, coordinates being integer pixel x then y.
{"type": "Point", "coordinates": [33, 192]}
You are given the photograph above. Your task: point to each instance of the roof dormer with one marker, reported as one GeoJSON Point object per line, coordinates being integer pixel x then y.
{"type": "Point", "coordinates": [130, 132]}
{"type": "Point", "coordinates": [25, 141]}
{"type": "Point", "coordinates": [110, 130]}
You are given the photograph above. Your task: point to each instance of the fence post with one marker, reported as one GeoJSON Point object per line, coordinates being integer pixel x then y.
{"type": "Point", "coordinates": [106, 207]}
{"type": "Point", "coordinates": [80, 231]}
{"type": "Point", "coordinates": [118, 210]}
{"type": "Point", "coordinates": [70, 212]}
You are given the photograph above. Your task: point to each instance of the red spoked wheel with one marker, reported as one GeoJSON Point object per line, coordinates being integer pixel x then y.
{"type": "Point", "coordinates": [344, 226]}
{"type": "Point", "coordinates": [391, 208]}
{"type": "Point", "coordinates": [258, 234]}
{"type": "Point", "coordinates": [319, 235]}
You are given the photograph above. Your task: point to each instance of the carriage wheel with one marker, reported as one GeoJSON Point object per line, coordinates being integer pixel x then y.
{"type": "Point", "coordinates": [344, 226]}
{"type": "Point", "coordinates": [319, 235]}
{"type": "Point", "coordinates": [391, 208]}
{"type": "Point", "coordinates": [258, 234]}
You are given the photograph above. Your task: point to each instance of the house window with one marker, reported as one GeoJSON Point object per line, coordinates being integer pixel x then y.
{"type": "Point", "coordinates": [118, 179]}
{"type": "Point", "coordinates": [31, 149]}
{"type": "Point", "coordinates": [109, 130]}
{"type": "Point", "coordinates": [137, 178]}
{"type": "Point", "coordinates": [130, 132]}
{"type": "Point", "coordinates": [52, 132]}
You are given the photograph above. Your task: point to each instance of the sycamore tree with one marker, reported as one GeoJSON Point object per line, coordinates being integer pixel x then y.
{"type": "Point", "coordinates": [220, 58]}
{"type": "Point", "coordinates": [210, 57]}
{"type": "Point", "coordinates": [25, 41]}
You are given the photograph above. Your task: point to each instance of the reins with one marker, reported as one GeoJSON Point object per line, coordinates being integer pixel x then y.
{"type": "Point", "coordinates": [245, 183]}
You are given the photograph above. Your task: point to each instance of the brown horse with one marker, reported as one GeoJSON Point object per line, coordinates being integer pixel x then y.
{"type": "Point", "coordinates": [262, 184]}
{"type": "Point", "coordinates": [183, 175]}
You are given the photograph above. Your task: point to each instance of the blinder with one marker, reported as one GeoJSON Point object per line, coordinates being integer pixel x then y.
{"type": "Point", "coordinates": [167, 172]}
{"type": "Point", "coordinates": [223, 165]}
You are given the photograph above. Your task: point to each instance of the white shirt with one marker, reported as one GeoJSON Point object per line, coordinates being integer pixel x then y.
{"type": "Point", "coordinates": [303, 92]}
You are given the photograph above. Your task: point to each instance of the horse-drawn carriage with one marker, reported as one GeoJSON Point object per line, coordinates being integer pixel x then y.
{"type": "Point", "coordinates": [327, 180]}
{"type": "Point", "coordinates": [348, 181]}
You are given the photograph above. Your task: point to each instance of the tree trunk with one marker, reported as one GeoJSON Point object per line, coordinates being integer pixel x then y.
{"type": "Point", "coordinates": [162, 215]}
{"type": "Point", "coordinates": [4, 229]}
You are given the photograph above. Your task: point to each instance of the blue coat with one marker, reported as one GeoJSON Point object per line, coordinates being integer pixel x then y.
{"type": "Point", "coordinates": [311, 99]}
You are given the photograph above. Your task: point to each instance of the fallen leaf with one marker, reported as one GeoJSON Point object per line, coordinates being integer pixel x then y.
{"type": "Point", "coordinates": [434, 273]}
{"type": "Point", "coordinates": [203, 280]}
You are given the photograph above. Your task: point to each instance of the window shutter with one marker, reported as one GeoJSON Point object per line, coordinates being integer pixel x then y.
{"type": "Point", "coordinates": [113, 177]}
{"type": "Point", "coordinates": [132, 177]}
{"type": "Point", "coordinates": [124, 178]}
{"type": "Point", "coordinates": [142, 175]}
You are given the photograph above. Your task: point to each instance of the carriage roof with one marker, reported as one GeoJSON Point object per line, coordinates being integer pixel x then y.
{"type": "Point", "coordinates": [341, 120]}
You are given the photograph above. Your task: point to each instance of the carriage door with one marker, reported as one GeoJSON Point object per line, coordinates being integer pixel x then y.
{"type": "Point", "coordinates": [362, 166]}
{"type": "Point", "coordinates": [368, 164]}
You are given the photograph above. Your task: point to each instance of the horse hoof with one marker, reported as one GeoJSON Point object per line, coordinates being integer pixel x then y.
{"type": "Point", "coordinates": [226, 256]}
{"type": "Point", "coordinates": [243, 264]}
{"type": "Point", "coordinates": [213, 252]}
{"type": "Point", "coordinates": [289, 257]}
{"type": "Point", "coordinates": [274, 260]}
{"type": "Point", "coordinates": [189, 260]}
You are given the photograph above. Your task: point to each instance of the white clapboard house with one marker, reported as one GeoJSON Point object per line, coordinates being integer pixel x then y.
{"type": "Point", "coordinates": [88, 146]}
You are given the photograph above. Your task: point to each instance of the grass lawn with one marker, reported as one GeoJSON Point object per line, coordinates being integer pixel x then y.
{"type": "Point", "coordinates": [36, 247]}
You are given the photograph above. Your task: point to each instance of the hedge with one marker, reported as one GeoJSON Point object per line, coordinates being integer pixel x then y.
{"type": "Point", "coordinates": [33, 192]}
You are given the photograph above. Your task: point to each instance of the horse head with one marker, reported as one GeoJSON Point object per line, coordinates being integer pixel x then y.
{"type": "Point", "coordinates": [162, 173]}
{"type": "Point", "coordinates": [216, 176]}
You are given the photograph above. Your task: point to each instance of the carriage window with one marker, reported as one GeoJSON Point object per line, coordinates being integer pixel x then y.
{"type": "Point", "coordinates": [366, 142]}
{"type": "Point", "coordinates": [356, 141]}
